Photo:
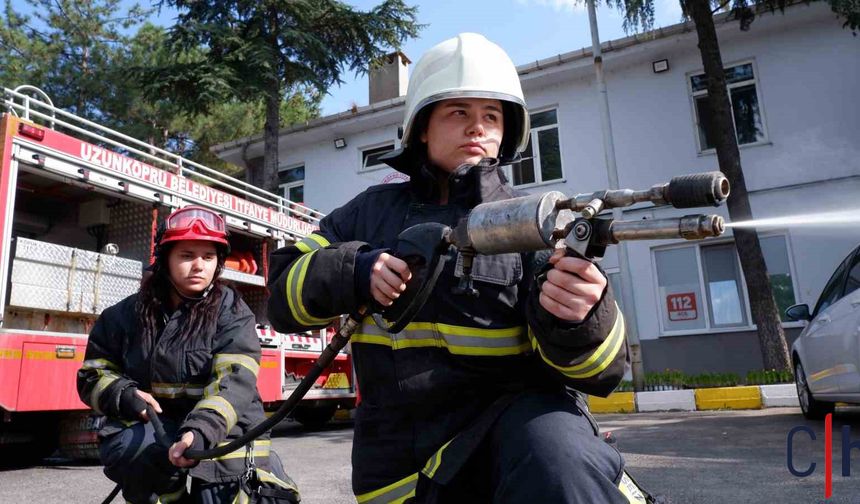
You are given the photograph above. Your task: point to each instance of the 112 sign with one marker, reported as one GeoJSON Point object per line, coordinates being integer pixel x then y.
{"type": "Point", "coordinates": [682, 306]}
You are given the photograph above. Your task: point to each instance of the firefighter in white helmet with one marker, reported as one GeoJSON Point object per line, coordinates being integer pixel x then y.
{"type": "Point", "coordinates": [479, 398]}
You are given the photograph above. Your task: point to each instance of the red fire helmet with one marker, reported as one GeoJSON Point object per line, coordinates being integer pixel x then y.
{"type": "Point", "coordinates": [194, 223]}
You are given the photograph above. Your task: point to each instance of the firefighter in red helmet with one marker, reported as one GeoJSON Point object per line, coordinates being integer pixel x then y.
{"type": "Point", "coordinates": [186, 345]}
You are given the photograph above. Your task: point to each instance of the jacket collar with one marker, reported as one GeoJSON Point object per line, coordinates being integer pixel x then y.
{"type": "Point", "coordinates": [468, 185]}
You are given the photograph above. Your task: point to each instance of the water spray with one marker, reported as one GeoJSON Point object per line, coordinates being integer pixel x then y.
{"type": "Point", "coordinates": [841, 218]}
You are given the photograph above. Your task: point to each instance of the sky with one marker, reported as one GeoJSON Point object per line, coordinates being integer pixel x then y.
{"type": "Point", "coordinates": [528, 30]}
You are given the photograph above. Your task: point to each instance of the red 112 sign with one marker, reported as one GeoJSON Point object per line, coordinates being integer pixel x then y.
{"type": "Point", "coordinates": [682, 306]}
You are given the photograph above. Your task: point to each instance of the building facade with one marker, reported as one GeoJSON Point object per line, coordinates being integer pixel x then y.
{"type": "Point", "coordinates": [792, 78]}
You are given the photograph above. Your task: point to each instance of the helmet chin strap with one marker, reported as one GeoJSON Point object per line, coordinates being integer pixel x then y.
{"type": "Point", "coordinates": [202, 295]}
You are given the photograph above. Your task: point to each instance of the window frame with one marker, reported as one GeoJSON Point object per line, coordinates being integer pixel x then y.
{"type": "Point", "coordinates": [709, 327]}
{"type": "Point", "coordinates": [285, 188]}
{"type": "Point", "coordinates": [533, 133]}
{"type": "Point", "coordinates": [695, 112]}
{"type": "Point", "coordinates": [374, 167]}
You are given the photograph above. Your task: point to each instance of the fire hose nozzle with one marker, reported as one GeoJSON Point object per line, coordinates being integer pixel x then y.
{"type": "Point", "coordinates": [688, 227]}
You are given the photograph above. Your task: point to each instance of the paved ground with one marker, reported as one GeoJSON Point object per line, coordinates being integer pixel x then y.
{"type": "Point", "coordinates": [734, 457]}
{"type": "Point", "coordinates": [696, 458]}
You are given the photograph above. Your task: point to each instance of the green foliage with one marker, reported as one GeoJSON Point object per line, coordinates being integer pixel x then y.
{"type": "Point", "coordinates": [624, 386]}
{"type": "Point", "coordinates": [670, 379]}
{"type": "Point", "coordinates": [769, 377]}
{"type": "Point", "coordinates": [252, 51]}
{"type": "Point", "coordinates": [66, 48]}
{"type": "Point", "coordinates": [707, 380]}
{"type": "Point", "coordinates": [673, 379]}
{"type": "Point", "coordinates": [639, 14]}
{"type": "Point", "coordinates": [237, 49]}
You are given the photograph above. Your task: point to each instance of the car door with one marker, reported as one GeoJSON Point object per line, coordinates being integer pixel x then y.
{"type": "Point", "coordinates": [845, 317]}
{"type": "Point", "coordinates": [822, 341]}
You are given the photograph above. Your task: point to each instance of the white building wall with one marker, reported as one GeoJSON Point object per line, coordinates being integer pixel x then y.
{"type": "Point", "coordinates": [332, 176]}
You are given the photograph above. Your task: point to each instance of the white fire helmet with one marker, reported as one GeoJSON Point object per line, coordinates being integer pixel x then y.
{"type": "Point", "coordinates": [468, 66]}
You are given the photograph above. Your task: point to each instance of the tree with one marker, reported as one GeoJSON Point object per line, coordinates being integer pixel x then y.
{"type": "Point", "coordinates": [640, 13]}
{"type": "Point", "coordinates": [249, 50]}
{"type": "Point", "coordinates": [65, 47]}
{"type": "Point", "coordinates": [80, 54]}
{"type": "Point", "coordinates": [165, 124]}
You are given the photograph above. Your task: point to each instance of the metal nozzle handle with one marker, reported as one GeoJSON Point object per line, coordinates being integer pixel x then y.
{"type": "Point", "coordinates": [698, 190]}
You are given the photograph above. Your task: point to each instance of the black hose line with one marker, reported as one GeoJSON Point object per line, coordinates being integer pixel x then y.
{"type": "Point", "coordinates": [327, 356]}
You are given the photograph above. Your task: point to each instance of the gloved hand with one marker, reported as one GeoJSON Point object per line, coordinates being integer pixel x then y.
{"type": "Point", "coordinates": [131, 405]}
{"type": "Point", "coordinates": [133, 402]}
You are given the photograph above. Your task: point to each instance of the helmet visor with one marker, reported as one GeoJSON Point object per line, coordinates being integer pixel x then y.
{"type": "Point", "coordinates": [183, 219]}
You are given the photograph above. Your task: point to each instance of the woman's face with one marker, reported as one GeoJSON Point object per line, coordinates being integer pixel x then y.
{"type": "Point", "coordinates": [192, 266]}
{"type": "Point", "coordinates": [463, 130]}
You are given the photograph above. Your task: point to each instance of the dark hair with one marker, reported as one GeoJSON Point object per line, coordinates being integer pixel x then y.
{"type": "Point", "coordinates": [154, 297]}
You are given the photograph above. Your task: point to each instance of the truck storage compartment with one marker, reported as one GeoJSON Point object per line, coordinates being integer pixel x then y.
{"type": "Point", "coordinates": [56, 278]}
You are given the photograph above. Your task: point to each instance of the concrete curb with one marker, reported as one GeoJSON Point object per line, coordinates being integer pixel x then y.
{"type": "Point", "coordinates": [774, 396]}
{"type": "Point", "coordinates": [681, 400]}
{"type": "Point", "coordinates": [728, 398]}
{"type": "Point", "coordinates": [617, 402]}
{"type": "Point", "coordinates": [707, 399]}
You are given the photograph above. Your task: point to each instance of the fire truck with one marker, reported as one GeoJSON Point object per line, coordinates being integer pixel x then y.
{"type": "Point", "coordinates": [79, 208]}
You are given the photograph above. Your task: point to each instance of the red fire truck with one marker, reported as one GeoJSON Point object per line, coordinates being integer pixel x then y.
{"type": "Point", "coordinates": [79, 207]}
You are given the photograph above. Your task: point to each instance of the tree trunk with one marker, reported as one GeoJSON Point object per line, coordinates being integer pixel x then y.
{"type": "Point", "coordinates": [764, 310]}
{"type": "Point", "coordinates": [268, 179]}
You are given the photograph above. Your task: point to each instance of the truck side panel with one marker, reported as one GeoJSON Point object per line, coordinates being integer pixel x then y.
{"type": "Point", "coordinates": [11, 346]}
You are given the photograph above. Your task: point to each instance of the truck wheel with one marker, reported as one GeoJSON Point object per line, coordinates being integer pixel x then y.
{"type": "Point", "coordinates": [28, 440]}
{"type": "Point", "coordinates": [314, 417]}
{"type": "Point", "coordinates": [79, 435]}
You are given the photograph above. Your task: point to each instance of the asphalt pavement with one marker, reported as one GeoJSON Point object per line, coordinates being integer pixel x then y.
{"type": "Point", "coordinates": [690, 457]}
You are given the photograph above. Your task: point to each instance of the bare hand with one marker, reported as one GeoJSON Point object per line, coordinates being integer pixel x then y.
{"type": "Point", "coordinates": [388, 278]}
{"type": "Point", "coordinates": [178, 448]}
{"type": "Point", "coordinates": [572, 287]}
{"type": "Point", "coordinates": [148, 399]}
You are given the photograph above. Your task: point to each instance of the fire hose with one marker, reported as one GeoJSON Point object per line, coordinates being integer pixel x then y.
{"type": "Point", "coordinates": [524, 224]}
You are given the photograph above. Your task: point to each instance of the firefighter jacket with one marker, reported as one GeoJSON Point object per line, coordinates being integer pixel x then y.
{"type": "Point", "coordinates": [206, 383]}
{"type": "Point", "coordinates": [430, 393]}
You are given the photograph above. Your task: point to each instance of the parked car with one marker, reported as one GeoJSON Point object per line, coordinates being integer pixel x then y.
{"type": "Point", "coordinates": [826, 355]}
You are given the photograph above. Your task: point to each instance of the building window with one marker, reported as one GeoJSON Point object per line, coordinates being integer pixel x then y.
{"type": "Point", "coordinates": [614, 276]}
{"type": "Point", "coordinates": [291, 182]}
{"type": "Point", "coordinates": [679, 287]}
{"type": "Point", "coordinates": [370, 157]}
{"type": "Point", "coordinates": [701, 286]}
{"type": "Point", "coordinates": [722, 278]}
{"type": "Point", "coordinates": [746, 109]}
{"type": "Point", "coordinates": [779, 270]}
{"type": "Point", "coordinates": [542, 157]}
